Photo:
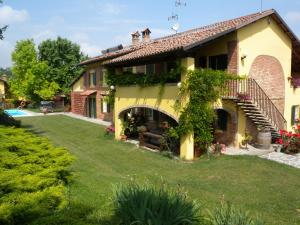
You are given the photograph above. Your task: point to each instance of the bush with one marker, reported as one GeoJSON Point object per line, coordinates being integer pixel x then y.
{"type": "Point", "coordinates": [290, 141]}
{"type": "Point", "coordinates": [7, 120]}
{"type": "Point", "coordinates": [152, 205]}
{"type": "Point", "coordinates": [32, 178]}
{"type": "Point", "coordinates": [226, 214]}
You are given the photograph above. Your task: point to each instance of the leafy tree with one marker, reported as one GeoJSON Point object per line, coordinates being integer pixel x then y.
{"type": "Point", "coordinates": [2, 29]}
{"type": "Point", "coordinates": [29, 78]}
{"type": "Point", "coordinates": [62, 57]}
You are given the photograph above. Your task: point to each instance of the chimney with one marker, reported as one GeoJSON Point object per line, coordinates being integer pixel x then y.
{"type": "Point", "coordinates": [135, 38]}
{"type": "Point", "coordinates": [146, 35]}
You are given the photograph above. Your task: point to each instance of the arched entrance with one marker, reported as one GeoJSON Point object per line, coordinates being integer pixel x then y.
{"type": "Point", "coordinates": [224, 127]}
{"type": "Point", "coordinates": [150, 127]}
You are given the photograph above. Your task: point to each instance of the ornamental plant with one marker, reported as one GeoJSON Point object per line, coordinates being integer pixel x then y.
{"type": "Point", "coordinates": [147, 204]}
{"type": "Point", "coordinates": [202, 88]}
{"type": "Point", "coordinates": [289, 140]}
{"type": "Point", "coordinates": [33, 175]}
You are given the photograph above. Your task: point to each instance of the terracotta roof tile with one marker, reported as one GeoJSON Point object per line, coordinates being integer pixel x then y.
{"type": "Point", "coordinates": [188, 38]}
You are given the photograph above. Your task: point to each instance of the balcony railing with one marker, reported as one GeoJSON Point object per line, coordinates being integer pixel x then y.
{"type": "Point", "coordinates": [249, 90]}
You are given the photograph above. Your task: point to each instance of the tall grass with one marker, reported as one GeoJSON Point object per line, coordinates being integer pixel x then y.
{"type": "Point", "coordinates": [155, 205]}
{"type": "Point", "coordinates": [226, 214]}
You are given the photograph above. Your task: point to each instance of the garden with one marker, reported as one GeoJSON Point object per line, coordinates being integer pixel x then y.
{"type": "Point", "coordinates": [111, 177]}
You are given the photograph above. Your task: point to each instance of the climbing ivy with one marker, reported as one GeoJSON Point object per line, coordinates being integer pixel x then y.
{"type": "Point", "coordinates": [141, 79]}
{"type": "Point", "coordinates": [200, 90]}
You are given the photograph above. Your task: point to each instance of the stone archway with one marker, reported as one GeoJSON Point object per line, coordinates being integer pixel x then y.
{"type": "Point", "coordinates": [268, 73]}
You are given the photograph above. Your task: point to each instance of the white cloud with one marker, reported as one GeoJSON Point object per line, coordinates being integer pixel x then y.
{"type": "Point", "coordinates": [9, 15]}
{"type": "Point", "coordinates": [293, 17]}
{"type": "Point", "coordinates": [6, 49]}
{"type": "Point", "coordinates": [110, 8]}
{"type": "Point", "coordinates": [43, 35]}
{"type": "Point", "coordinates": [86, 47]}
{"type": "Point", "coordinates": [158, 32]}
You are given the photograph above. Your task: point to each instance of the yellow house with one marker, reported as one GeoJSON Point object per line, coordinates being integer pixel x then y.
{"type": "Point", "coordinates": [259, 46]}
{"type": "Point", "coordinates": [3, 88]}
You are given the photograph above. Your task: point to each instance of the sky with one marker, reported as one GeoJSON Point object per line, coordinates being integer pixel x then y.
{"type": "Point", "coordinates": [99, 24]}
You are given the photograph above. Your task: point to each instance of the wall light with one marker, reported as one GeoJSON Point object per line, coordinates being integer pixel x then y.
{"type": "Point", "coordinates": [243, 56]}
{"type": "Point", "coordinates": [179, 84]}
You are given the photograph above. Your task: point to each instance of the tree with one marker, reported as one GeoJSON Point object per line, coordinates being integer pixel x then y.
{"type": "Point", "coordinates": [62, 57]}
{"type": "Point", "coordinates": [2, 29]}
{"type": "Point", "coordinates": [29, 78]}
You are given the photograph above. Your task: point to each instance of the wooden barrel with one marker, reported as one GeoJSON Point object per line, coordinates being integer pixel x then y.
{"type": "Point", "coordinates": [264, 140]}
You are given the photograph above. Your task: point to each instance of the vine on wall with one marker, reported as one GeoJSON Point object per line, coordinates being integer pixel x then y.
{"type": "Point", "coordinates": [203, 88]}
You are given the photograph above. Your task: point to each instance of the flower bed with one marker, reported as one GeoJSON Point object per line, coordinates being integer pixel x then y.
{"type": "Point", "coordinates": [290, 141]}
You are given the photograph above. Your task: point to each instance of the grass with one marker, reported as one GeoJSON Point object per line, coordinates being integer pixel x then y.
{"type": "Point", "coordinates": [265, 188]}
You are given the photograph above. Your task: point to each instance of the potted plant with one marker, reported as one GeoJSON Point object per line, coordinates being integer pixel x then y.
{"type": "Point", "coordinates": [243, 96]}
{"type": "Point", "coordinates": [141, 130]}
{"type": "Point", "coordinates": [247, 139]}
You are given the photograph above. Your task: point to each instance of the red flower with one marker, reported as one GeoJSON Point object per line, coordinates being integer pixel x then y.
{"type": "Point", "coordinates": [279, 141]}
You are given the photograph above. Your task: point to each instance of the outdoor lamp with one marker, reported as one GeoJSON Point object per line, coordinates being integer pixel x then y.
{"type": "Point", "coordinates": [179, 84]}
{"type": "Point", "coordinates": [112, 87]}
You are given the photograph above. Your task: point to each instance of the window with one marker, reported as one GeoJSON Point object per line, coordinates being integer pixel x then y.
{"type": "Point", "coordinates": [202, 62]}
{"type": "Point", "coordinates": [104, 74]}
{"type": "Point", "coordinates": [218, 62]}
{"type": "Point", "coordinates": [150, 69]}
{"type": "Point", "coordinates": [105, 107]}
{"type": "Point", "coordinates": [171, 65]}
{"type": "Point", "coordinates": [140, 69]}
{"type": "Point", "coordinates": [128, 69]}
{"type": "Point", "coordinates": [92, 79]}
{"type": "Point", "coordinates": [295, 114]}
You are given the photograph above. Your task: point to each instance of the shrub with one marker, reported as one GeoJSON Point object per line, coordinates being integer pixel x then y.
{"type": "Point", "coordinates": [7, 120]}
{"type": "Point", "coordinates": [32, 178]}
{"type": "Point", "coordinates": [226, 214]}
{"type": "Point", "coordinates": [152, 205]}
{"type": "Point", "coordinates": [290, 141]}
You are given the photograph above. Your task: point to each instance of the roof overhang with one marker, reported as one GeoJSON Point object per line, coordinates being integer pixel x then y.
{"type": "Point", "coordinates": [88, 92]}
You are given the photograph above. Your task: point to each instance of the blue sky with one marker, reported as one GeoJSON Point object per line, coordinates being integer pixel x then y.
{"type": "Point", "coordinates": [99, 24]}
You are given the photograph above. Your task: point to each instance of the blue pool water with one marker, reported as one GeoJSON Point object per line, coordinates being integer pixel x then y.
{"type": "Point", "coordinates": [15, 112]}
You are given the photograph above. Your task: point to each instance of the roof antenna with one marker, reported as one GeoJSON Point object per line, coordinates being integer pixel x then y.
{"type": "Point", "coordinates": [261, 6]}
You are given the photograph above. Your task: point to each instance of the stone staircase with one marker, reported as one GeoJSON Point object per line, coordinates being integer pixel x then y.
{"type": "Point", "coordinates": [252, 99]}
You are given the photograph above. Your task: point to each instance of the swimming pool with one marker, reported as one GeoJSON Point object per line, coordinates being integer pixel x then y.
{"type": "Point", "coordinates": [15, 112]}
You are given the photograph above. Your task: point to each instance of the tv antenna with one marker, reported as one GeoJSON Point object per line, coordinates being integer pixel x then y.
{"type": "Point", "coordinates": [179, 3]}
{"type": "Point", "coordinates": [175, 27]}
{"type": "Point", "coordinates": [173, 17]}
{"type": "Point", "coordinates": [261, 6]}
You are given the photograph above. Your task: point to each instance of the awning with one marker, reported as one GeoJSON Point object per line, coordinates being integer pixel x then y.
{"type": "Point", "coordinates": [87, 93]}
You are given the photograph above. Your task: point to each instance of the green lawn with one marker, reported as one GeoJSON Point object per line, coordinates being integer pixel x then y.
{"type": "Point", "coordinates": [267, 189]}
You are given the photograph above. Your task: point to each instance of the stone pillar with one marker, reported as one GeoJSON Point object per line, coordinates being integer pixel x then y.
{"type": "Point", "coordinates": [187, 147]}
{"type": "Point", "coordinates": [187, 141]}
{"type": "Point", "coordinates": [118, 127]}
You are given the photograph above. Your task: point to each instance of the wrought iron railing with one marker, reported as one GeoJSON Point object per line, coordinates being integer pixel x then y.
{"type": "Point", "coordinates": [249, 90]}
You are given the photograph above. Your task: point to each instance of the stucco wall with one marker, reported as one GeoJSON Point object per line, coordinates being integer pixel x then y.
{"type": "Point", "coordinates": [265, 37]}
{"type": "Point", "coordinates": [152, 97]}
{"type": "Point", "coordinates": [78, 85]}
{"type": "Point", "coordinates": [2, 87]}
